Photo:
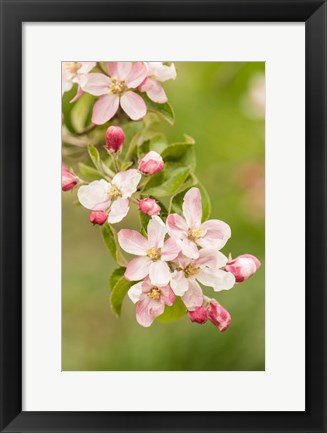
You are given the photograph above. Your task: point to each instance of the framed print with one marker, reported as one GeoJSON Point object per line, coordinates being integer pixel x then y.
{"type": "Point", "coordinates": [163, 216]}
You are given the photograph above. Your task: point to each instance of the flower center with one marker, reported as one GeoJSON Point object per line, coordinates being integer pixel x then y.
{"type": "Point", "coordinates": [194, 234]}
{"type": "Point", "coordinates": [154, 293]}
{"type": "Point", "coordinates": [153, 254]}
{"type": "Point", "coordinates": [114, 192]}
{"type": "Point", "coordinates": [189, 271]}
{"type": "Point", "coordinates": [73, 67]}
{"type": "Point", "coordinates": [118, 87]}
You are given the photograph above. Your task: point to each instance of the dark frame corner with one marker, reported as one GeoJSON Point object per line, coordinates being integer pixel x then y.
{"type": "Point", "coordinates": [13, 14]}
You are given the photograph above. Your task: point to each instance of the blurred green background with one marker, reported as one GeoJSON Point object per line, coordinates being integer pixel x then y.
{"type": "Point", "coordinates": [221, 106]}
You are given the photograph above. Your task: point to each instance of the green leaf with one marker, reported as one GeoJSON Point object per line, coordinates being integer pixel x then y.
{"type": "Point", "coordinates": [88, 173]}
{"type": "Point", "coordinates": [167, 184]}
{"type": "Point", "coordinates": [116, 276]}
{"type": "Point", "coordinates": [180, 152]}
{"type": "Point", "coordinates": [81, 112]}
{"type": "Point", "coordinates": [119, 292]}
{"type": "Point", "coordinates": [177, 202]}
{"type": "Point", "coordinates": [67, 107]}
{"type": "Point", "coordinates": [175, 312]}
{"type": "Point", "coordinates": [164, 110]}
{"type": "Point", "coordinates": [126, 165]}
{"type": "Point", "coordinates": [109, 235]}
{"type": "Point", "coordinates": [143, 149]}
{"type": "Point", "coordinates": [94, 155]}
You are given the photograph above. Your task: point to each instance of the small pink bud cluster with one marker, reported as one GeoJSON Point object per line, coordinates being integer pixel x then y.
{"type": "Point", "coordinates": [214, 312]}
{"type": "Point", "coordinates": [115, 138]}
{"type": "Point", "coordinates": [151, 163]}
{"type": "Point", "coordinates": [243, 267]}
{"type": "Point", "coordinates": [98, 217]}
{"type": "Point", "coordinates": [68, 179]}
{"type": "Point", "coordinates": [149, 207]}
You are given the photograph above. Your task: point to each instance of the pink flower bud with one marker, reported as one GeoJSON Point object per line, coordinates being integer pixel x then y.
{"type": "Point", "coordinates": [218, 315]}
{"type": "Point", "coordinates": [243, 267]}
{"type": "Point", "coordinates": [115, 138]}
{"type": "Point", "coordinates": [149, 207]}
{"type": "Point", "coordinates": [151, 163]}
{"type": "Point", "coordinates": [98, 217]}
{"type": "Point", "coordinates": [68, 179]}
{"type": "Point", "coordinates": [200, 315]}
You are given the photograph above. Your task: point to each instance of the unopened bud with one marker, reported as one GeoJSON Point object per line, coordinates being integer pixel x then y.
{"type": "Point", "coordinates": [68, 179]}
{"type": "Point", "coordinates": [218, 315]}
{"type": "Point", "coordinates": [243, 267]}
{"type": "Point", "coordinates": [98, 217]}
{"type": "Point", "coordinates": [149, 207]}
{"type": "Point", "coordinates": [151, 163]}
{"type": "Point", "coordinates": [200, 315]}
{"type": "Point", "coordinates": [115, 138]}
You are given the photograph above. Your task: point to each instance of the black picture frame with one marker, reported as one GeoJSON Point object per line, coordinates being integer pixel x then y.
{"type": "Point", "coordinates": [16, 12]}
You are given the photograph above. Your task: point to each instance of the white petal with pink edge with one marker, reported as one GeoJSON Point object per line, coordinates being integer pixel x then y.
{"type": "Point", "coordinates": [162, 72]}
{"type": "Point", "coordinates": [105, 108]}
{"type": "Point", "coordinates": [189, 248]}
{"type": "Point", "coordinates": [216, 234]}
{"type": "Point", "coordinates": [138, 268]}
{"type": "Point", "coordinates": [133, 242]}
{"type": "Point", "coordinates": [179, 283]}
{"type": "Point", "coordinates": [156, 232]}
{"type": "Point", "coordinates": [155, 91]}
{"type": "Point", "coordinates": [136, 75]}
{"type": "Point", "coordinates": [127, 182]}
{"type": "Point", "coordinates": [170, 250]}
{"type": "Point", "coordinates": [133, 105]}
{"type": "Point", "coordinates": [118, 210]}
{"type": "Point", "coordinates": [159, 273]}
{"type": "Point", "coordinates": [193, 298]}
{"type": "Point", "coordinates": [216, 278]}
{"type": "Point", "coordinates": [176, 226]}
{"type": "Point", "coordinates": [96, 84]}
{"type": "Point", "coordinates": [192, 208]}
{"type": "Point", "coordinates": [210, 258]}
{"type": "Point", "coordinates": [135, 292]}
{"type": "Point", "coordinates": [95, 195]}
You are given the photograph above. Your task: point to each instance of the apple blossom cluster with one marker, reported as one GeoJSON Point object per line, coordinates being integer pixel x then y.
{"type": "Point", "coordinates": [178, 257]}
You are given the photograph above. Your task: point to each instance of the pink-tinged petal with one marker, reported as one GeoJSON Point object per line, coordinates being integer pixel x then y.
{"type": "Point", "coordinates": [147, 310]}
{"type": "Point", "coordinates": [219, 316]}
{"type": "Point", "coordinates": [112, 69]}
{"type": "Point", "coordinates": [133, 242]}
{"type": "Point", "coordinates": [210, 258]}
{"type": "Point", "coordinates": [199, 315]}
{"type": "Point", "coordinates": [216, 234]}
{"type": "Point", "coordinates": [135, 292]}
{"type": "Point", "coordinates": [176, 226]}
{"type": "Point", "coordinates": [159, 273]}
{"type": "Point", "coordinates": [136, 75]}
{"type": "Point", "coordinates": [155, 92]}
{"type": "Point", "coordinates": [97, 84]}
{"type": "Point", "coordinates": [179, 283]}
{"type": "Point", "coordinates": [170, 250]}
{"type": "Point", "coordinates": [243, 267]}
{"type": "Point", "coordinates": [193, 297]}
{"type": "Point", "coordinates": [105, 108]}
{"type": "Point", "coordinates": [167, 295]}
{"type": "Point", "coordinates": [95, 195]}
{"type": "Point", "coordinates": [137, 268]}
{"type": "Point", "coordinates": [216, 278]}
{"type": "Point", "coordinates": [66, 79]}
{"type": "Point", "coordinates": [162, 72]}
{"type": "Point", "coordinates": [192, 208]}
{"type": "Point", "coordinates": [127, 182]}
{"type": "Point", "coordinates": [133, 105]}
{"type": "Point", "coordinates": [189, 248]}
{"type": "Point", "coordinates": [156, 232]}
{"type": "Point", "coordinates": [123, 70]}
{"type": "Point", "coordinates": [118, 210]}
{"type": "Point", "coordinates": [78, 95]}
{"type": "Point", "coordinates": [86, 67]}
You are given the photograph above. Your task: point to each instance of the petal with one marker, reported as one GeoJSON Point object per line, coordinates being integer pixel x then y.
{"type": "Point", "coordinates": [95, 195]}
{"type": "Point", "coordinates": [192, 208]}
{"type": "Point", "coordinates": [118, 210]}
{"type": "Point", "coordinates": [123, 70]}
{"type": "Point", "coordinates": [86, 67]}
{"type": "Point", "coordinates": [97, 84]}
{"type": "Point", "coordinates": [167, 295]}
{"type": "Point", "coordinates": [112, 69]}
{"type": "Point", "coordinates": [147, 310]}
{"type": "Point", "coordinates": [189, 248]}
{"type": "Point", "coordinates": [210, 258]}
{"type": "Point", "coordinates": [170, 250]}
{"type": "Point", "coordinates": [105, 108]}
{"type": "Point", "coordinates": [216, 234]}
{"type": "Point", "coordinates": [136, 75]}
{"type": "Point", "coordinates": [162, 72]}
{"type": "Point", "coordinates": [132, 242]}
{"type": "Point", "coordinates": [137, 268]}
{"type": "Point", "coordinates": [179, 283]}
{"type": "Point", "coordinates": [127, 181]}
{"type": "Point", "coordinates": [156, 92]}
{"type": "Point", "coordinates": [133, 105]}
{"type": "Point", "coordinates": [135, 292]}
{"type": "Point", "coordinates": [193, 298]}
{"type": "Point", "coordinates": [159, 273]}
{"type": "Point", "coordinates": [216, 278]}
{"type": "Point", "coordinates": [156, 232]}
{"type": "Point", "coordinates": [176, 226]}
{"type": "Point", "coordinates": [79, 93]}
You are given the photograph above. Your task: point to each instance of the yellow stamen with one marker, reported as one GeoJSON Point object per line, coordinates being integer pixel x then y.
{"type": "Point", "coordinates": [154, 293]}
{"type": "Point", "coordinates": [154, 254]}
{"type": "Point", "coordinates": [118, 87]}
{"type": "Point", "coordinates": [194, 234]}
{"type": "Point", "coordinates": [73, 67]}
{"type": "Point", "coordinates": [189, 271]}
{"type": "Point", "coordinates": [114, 192]}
